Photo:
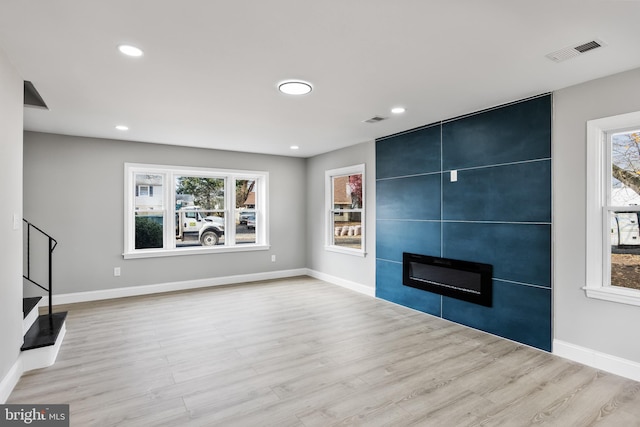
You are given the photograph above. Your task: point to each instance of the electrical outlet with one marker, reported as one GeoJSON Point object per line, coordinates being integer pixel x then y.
{"type": "Point", "coordinates": [273, 258]}
{"type": "Point", "coordinates": [454, 176]}
{"type": "Point", "coordinates": [116, 271]}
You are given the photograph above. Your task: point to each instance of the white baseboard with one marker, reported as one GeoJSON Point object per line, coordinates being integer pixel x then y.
{"type": "Point", "coordinates": [595, 359]}
{"type": "Point", "coordinates": [10, 380]}
{"type": "Point", "coordinates": [172, 286]}
{"type": "Point", "coordinates": [29, 360]}
{"type": "Point", "coordinates": [354, 286]}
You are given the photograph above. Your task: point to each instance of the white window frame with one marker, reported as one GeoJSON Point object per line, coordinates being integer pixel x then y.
{"type": "Point", "coordinates": [329, 209]}
{"type": "Point", "coordinates": [169, 198]}
{"type": "Point", "coordinates": [598, 254]}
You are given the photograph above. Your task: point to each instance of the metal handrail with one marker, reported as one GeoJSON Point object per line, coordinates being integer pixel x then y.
{"type": "Point", "coordinates": [52, 245]}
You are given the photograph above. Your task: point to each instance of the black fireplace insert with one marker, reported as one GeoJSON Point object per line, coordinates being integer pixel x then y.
{"type": "Point", "coordinates": [465, 280]}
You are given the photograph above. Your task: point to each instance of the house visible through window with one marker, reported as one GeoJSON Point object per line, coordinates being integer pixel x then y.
{"type": "Point", "coordinates": [145, 191]}
{"type": "Point", "coordinates": [345, 210]}
{"type": "Point", "coordinates": [175, 210]}
{"type": "Point", "coordinates": [613, 209]}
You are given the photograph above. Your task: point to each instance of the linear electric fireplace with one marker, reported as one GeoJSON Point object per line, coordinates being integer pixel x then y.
{"type": "Point", "coordinates": [468, 281]}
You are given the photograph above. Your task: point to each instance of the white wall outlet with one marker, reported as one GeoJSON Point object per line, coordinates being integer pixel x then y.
{"type": "Point", "coordinates": [16, 221]}
{"type": "Point", "coordinates": [273, 258]}
{"type": "Point", "coordinates": [454, 176]}
{"type": "Point", "coordinates": [116, 271]}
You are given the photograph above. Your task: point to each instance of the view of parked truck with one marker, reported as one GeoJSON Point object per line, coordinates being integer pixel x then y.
{"type": "Point", "coordinates": [625, 229]}
{"type": "Point", "coordinates": [192, 225]}
{"type": "Point", "coordinates": [202, 212]}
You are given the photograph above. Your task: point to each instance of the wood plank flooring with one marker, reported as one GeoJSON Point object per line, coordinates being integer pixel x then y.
{"type": "Point", "coordinates": [302, 352]}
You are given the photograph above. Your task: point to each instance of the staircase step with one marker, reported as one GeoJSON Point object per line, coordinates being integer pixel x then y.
{"type": "Point", "coordinates": [31, 313]}
{"type": "Point", "coordinates": [28, 304]}
{"type": "Point", "coordinates": [44, 331]}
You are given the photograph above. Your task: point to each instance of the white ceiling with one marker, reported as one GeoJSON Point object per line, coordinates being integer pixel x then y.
{"type": "Point", "coordinates": [209, 74]}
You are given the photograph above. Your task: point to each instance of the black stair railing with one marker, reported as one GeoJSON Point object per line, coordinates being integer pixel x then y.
{"type": "Point", "coordinates": [51, 246]}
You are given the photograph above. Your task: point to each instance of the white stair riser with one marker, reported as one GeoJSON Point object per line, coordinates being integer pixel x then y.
{"type": "Point", "coordinates": [43, 356]}
{"type": "Point", "coordinates": [29, 320]}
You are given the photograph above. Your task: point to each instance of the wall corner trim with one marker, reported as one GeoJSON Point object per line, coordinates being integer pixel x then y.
{"type": "Point", "coordinates": [605, 362]}
{"type": "Point", "coordinates": [354, 286]}
{"type": "Point", "coordinates": [8, 383]}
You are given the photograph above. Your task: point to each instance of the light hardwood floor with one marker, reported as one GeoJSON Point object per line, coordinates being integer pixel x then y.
{"type": "Point", "coordinates": [301, 352]}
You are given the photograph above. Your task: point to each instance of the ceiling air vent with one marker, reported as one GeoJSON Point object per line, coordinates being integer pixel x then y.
{"type": "Point", "coordinates": [588, 46]}
{"type": "Point", "coordinates": [31, 96]}
{"type": "Point", "coordinates": [375, 119]}
{"type": "Point", "coordinates": [572, 52]}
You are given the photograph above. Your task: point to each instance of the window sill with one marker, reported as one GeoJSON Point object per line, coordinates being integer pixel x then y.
{"type": "Point", "coordinates": [151, 253]}
{"type": "Point", "coordinates": [614, 294]}
{"type": "Point", "coordinates": [347, 251]}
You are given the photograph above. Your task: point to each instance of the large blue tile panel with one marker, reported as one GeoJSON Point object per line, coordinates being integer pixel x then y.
{"type": "Point", "coordinates": [518, 252]}
{"type": "Point", "coordinates": [408, 154]}
{"type": "Point", "coordinates": [396, 236]}
{"type": "Point", "coordinates": [416, 197]}
{"type": "Point", "coordinates": [516, 132]}
{"type": "Point", "coordinates": [389, 287]}
{"type": "Point", "coordinates": [518, 192]}
{"type": "Point", "coordinates": [520, 313]}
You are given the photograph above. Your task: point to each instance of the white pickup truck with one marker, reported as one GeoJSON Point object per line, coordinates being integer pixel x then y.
{"type": "Point", "coordinates": [625, 230]}
{"type": "Point", "coordinates": [190, 222]}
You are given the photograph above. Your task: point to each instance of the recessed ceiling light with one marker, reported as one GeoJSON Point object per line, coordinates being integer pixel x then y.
{"type": "Point", "coordinates": [130, 50]}
{"type": "Point", "coordinates": [295, 87]}
{"type": "Point", "coordinates": [294, 147]}
{"type": "Point", "coordinates": [398, 110]}
{"type": "Point", "coordinates": [122, 127]}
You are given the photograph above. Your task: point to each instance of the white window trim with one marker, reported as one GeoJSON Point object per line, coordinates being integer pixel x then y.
{"type": "Point", "coordinates": [262, 207]}
{"type": "Point", "coordinates": [597, 237]}
{"type": "Point", "coordinates": [329, 174]}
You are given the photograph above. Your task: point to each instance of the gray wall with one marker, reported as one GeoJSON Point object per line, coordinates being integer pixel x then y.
{"type": "Point", "coordinates": [347, 267]}
{"type": "Point", "coordinates": [595, 324]}
{"type": "Point", "coordinates": [73, 189]}
{"type": "Point", "coordinates": [11, 191]}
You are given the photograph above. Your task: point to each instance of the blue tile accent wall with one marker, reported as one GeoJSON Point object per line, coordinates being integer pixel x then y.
{"type": "Point", "coordinates": [414, 197]}
{"type": "Point", "coordinates": [412, 153]}
{"type": "Point", "coordinates": [396, 236]}
{"type": "Point", "coordinates": [497, 212]}
{"type": "Point", "coordinates": [390, 273]}
{"type": "Point", "coordinates": [513, 133]}
{"type": "Point", "coordinates": [519, 252]}
{"type": "Point", "coordinates": [521, 313]}
{"type": "Point", "coordinates": [516, 192]}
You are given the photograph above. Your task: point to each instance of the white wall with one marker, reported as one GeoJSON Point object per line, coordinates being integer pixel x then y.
{"type": "Point", "coordinates": [352, 271]}
{"type": "Point", "coordinates": [73, 189]}
{"type": "Point", "coordinates": [604, 327]}
{"type": "Point", "coordinates": [11, 90]}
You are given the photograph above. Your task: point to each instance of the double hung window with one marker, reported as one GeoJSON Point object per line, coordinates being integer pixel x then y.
{"type": "Point", "coordinates": [613, 209]}
{"type": "Point", "coordinates": [345, 204]}
{"type": "Point", "coordinates": [173, 210]}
